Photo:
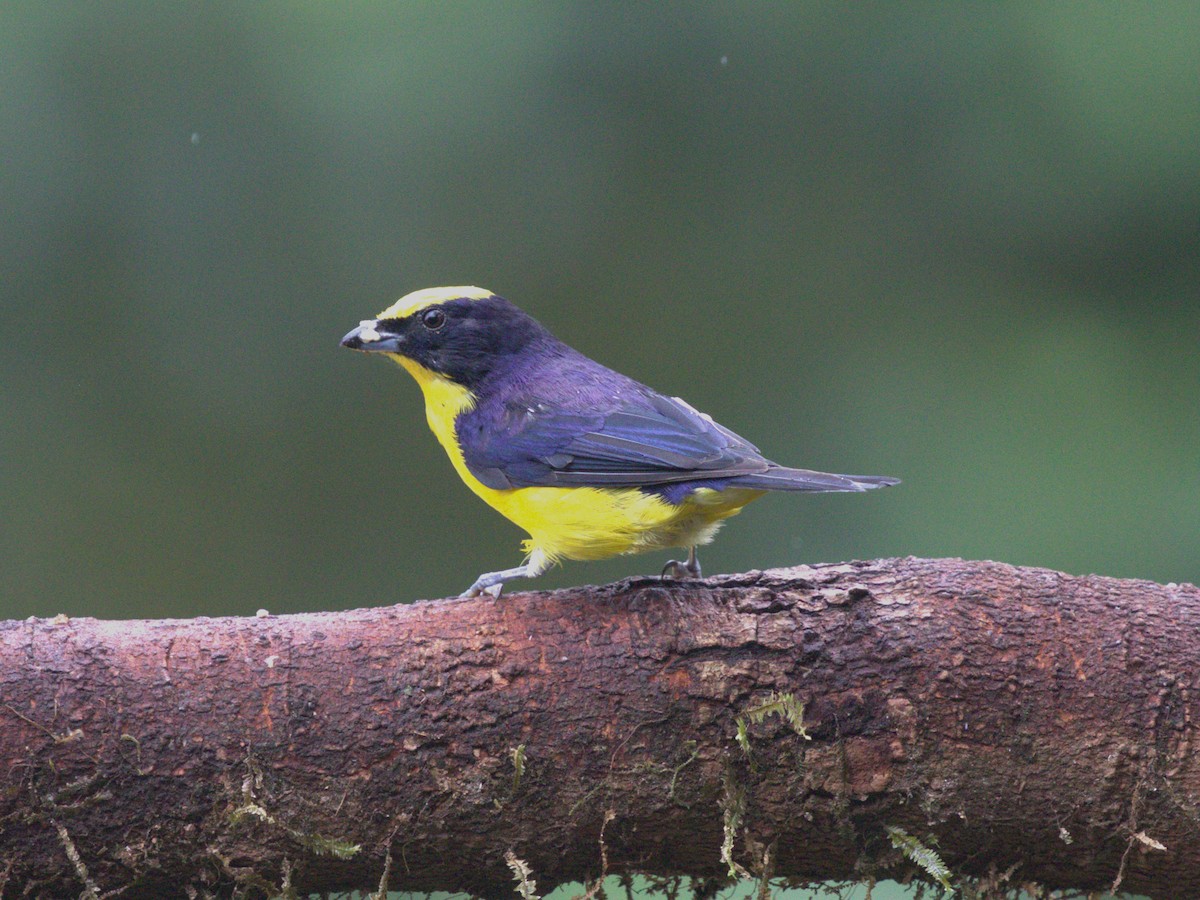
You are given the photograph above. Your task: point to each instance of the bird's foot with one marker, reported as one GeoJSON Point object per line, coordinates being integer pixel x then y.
{"type": "Point", "coordinates": [490, 583]}
{"type": "Point", "coordinates": [473, 591]}
{"type": "Point", "coordinates": [493, 582]}
{"type": "Point", "coordinates": [680, 569]}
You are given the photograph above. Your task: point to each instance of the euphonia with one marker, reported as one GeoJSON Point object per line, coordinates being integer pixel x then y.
{"type": "Point", "coordinates": [590, 463]}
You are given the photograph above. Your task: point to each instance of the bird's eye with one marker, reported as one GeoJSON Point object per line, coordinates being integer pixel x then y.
{"type": "Point", "coordinates": [433, 319]}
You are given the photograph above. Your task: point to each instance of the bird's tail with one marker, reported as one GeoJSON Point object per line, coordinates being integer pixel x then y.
{"type": "Point", "coordinates": [781, 478]}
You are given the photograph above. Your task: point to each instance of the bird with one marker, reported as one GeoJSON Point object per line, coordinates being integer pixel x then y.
{"type": "Point", "coordinates": [589, 462]}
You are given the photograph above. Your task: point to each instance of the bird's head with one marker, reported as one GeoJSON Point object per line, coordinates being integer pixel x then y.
{"type": "Point", "coordinates": [462, 334]}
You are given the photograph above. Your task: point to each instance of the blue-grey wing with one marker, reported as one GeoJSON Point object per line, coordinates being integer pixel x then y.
{"type": "Point", "coordinates": [641, 439]}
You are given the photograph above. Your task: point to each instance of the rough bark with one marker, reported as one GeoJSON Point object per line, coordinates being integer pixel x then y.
{"type": "Point", "coordinates": [1028, 722]}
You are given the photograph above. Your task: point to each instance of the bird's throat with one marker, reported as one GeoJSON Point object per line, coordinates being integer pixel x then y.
{"type": "Point", "coordinates": [444, 402]}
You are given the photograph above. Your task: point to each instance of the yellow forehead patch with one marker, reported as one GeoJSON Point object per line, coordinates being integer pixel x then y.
{"type": "Point", "coordinates": [410, 303]}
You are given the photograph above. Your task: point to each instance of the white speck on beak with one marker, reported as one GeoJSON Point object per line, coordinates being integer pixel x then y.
{"type": "Point", "coordinates": [366, 331]}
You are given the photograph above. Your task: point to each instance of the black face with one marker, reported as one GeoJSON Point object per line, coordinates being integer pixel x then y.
{"type": "Point", "coordinates": [465, 340]}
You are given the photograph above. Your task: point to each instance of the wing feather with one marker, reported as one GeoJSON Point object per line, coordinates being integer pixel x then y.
{"type": "Point", "coordinates": [642, 439]}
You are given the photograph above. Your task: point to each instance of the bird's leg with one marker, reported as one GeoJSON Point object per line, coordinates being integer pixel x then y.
{"type": "Point", "coordinates": [678, 569]}
{"type": "Point", "coordinates": [493, 582]}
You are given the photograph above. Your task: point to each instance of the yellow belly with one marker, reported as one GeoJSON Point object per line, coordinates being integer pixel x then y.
{"type": "Point", "coordinates": [580, 523]}
{"type": "Point", "coordinates": [596, 523]}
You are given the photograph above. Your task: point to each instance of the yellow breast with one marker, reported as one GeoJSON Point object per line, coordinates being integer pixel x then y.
{"type": "Point", "coordinates": [573, 522]}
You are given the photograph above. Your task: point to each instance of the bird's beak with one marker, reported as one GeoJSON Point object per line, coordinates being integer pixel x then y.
{"type": "Point", "coordinates": [367, 338]}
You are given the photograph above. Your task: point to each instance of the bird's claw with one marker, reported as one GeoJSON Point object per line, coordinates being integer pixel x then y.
{"type": "Point", "coordinates": [476, 591]}
{"type": "Point", "coordinates": [679, 569]}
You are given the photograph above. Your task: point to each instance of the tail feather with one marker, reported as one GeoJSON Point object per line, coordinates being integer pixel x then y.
{"type": "Point", "coordinates": [781, 478]}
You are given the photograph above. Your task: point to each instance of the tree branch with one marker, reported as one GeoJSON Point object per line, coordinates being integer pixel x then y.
{"type": "Point", "coordinates": [789, 723]}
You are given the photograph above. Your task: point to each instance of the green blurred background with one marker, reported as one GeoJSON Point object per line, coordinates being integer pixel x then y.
{"type": "Point", "coordinates": [959, 244]}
